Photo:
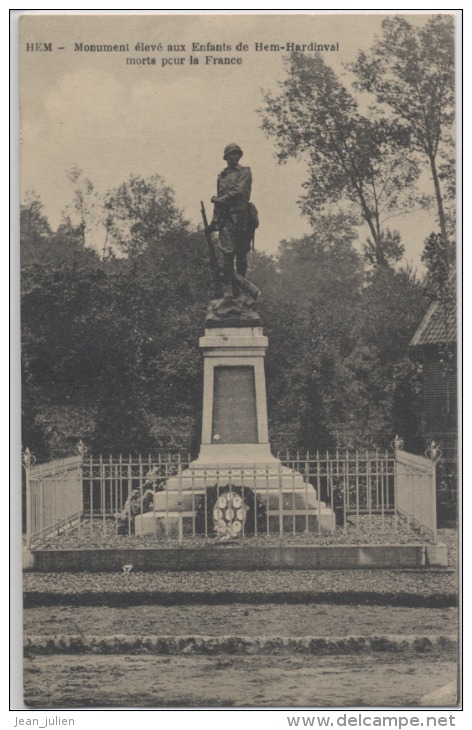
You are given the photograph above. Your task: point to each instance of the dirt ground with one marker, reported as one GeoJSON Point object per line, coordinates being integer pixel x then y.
{"type": "Point", "coordinates": [252, 620]}
{"type": "Point", "coordinates": [237, 681]}
{"type": "Point", "coordinates": [293, 680]}
{"type": "Point", "coordinates": [233, 681]}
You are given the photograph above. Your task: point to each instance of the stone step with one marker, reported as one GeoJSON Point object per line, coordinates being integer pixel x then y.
{"type": "Point", "coordinates": [167, 523]}
{"type": "Point", "coordinates": [249, 476]}
{"type": "Point", "coordinates": [273, 500]}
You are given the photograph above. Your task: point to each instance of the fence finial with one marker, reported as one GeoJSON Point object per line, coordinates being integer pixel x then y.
{"type": "Point", "coordinates": [397, 443]}
{"type": "Point", "coordinates": [81, 449]}
{"type": "Point", "coordinates": [28, 458]}
{"type": "Point", "coordinates": [434, 452]}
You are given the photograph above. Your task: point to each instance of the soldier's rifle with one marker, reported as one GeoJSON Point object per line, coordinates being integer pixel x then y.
{"type": "Point", "coordinates": [211, 253]}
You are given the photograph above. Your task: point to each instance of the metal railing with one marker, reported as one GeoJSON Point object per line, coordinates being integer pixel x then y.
{"type": "Point", "coordinates": [119, 488]}
{"type": "Point", "coordinates": [168, 497]}
{"type": "Point", "coordinates": [352, 483]}
{"type": "Point", "coordinates": [54, 497]}
{"type": "Point", "coordinates": [416, 490]}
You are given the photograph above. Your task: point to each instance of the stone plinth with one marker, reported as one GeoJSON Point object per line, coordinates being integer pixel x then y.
{"type": "Point", "coordinates": [234, 420]}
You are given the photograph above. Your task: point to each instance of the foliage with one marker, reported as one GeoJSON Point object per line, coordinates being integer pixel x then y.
{"type": "Point", "coordinates": [351, 157]}
{"type": "Point", "coordinates": [390, 244]}
{"type": "Point", "coordinates": [35, 229]}
{"type": "Point", "coordinates": [447, 495]}
{"type": "Point", "coordinates": [114, 340]}
{"type": "Point", "coordinates": [110, 345]}
{"type": "Point", "coordinates": [338, 368]}
{"type": "Point", "coordinates": [411, 72]}
{"type": "Point", "coordinates": [435, 256]}
{"type": "Point", "coordinates": [139, 212]}
{"type": "Point", "coordinates": [85, 214]}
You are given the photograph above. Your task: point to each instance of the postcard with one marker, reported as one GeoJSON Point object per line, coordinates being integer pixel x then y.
{"type": "Point", "coordinates": [239, 361]}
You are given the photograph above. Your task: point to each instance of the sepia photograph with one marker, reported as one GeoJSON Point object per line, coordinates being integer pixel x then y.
{"type": "Point", "coordinates": [240, 446]}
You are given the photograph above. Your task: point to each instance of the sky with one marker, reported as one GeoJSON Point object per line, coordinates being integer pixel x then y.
{"type": "Point", "coordinates": [113, 118]}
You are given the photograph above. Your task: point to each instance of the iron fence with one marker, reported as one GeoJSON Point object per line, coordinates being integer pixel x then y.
{"type": "Point", "coordinates": [117, 488]}
{"type": "Point", "coordinates": [416, 491]}
{"type": "Point", "coordinates": [54, 497]}
{"type": "Point", "coordinates": [352, 483]}
{"type": "Point", "coordinates": [297, 496]}
{"type": "Point", "coordinates": [169, 497]}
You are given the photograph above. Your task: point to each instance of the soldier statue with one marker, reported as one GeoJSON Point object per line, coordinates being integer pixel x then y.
{"type": "Point", "coordinates": [235, 220]}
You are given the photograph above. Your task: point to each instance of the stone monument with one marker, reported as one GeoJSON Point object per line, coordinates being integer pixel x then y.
{"type": "Point", "coordinates": [235, 451]}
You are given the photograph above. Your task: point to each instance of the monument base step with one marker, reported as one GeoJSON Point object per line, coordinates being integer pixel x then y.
{"type": "Point", "coordinates": [156, 523]}
{"type": "Point", "coordinates": [288, 502]}
{"type": "Point", "coordinates": [271, 499]}
{"type": "Point", "coordinates": [261, 476]}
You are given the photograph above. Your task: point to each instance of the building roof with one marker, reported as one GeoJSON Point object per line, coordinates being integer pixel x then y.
{"type": "Point", "coordinates": [438, 325]}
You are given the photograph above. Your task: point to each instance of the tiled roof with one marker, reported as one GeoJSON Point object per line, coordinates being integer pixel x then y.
{"type": "Point", "coordinates": [438, 325]}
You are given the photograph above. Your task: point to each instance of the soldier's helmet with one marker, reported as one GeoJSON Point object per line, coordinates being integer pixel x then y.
{"type": "Point", "coordinates": [232, 148]}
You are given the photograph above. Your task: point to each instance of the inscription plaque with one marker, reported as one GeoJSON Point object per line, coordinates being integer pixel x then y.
{"type": "Point", "coordinates": [234, 406]}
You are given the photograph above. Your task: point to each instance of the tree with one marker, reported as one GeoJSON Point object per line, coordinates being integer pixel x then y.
{"type": "Point", "coordinates": [338, 367]}
{"type": "Point", "coordinates": [351, 157]}
{"type": "Point", "coordinates": [311, 297]}
{"type": "Point", "coordinates": [35, 232]}
{"type": "Point", "coordinates": [324, 260]}
{"type": "Point", "coordinates": [40, 245]}
{"type": "Point", "coordinates": [85, 215]}
{"type": "Point", "coordinates": [110, 346]}
{"type": "Point", "coordinates": [140, 211]}
{"type": "Point", "coordinates": [411, 72]}
{"type": "Point", "coordinates": [393, 303]}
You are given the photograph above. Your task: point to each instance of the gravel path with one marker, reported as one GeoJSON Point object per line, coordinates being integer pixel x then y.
{"type": "Point", "coordinates": [361, 530]}
{"type": "Point", "coordinates": [390, 586]}
{"type": "Point", "coordinates": [240, 618]}
{"type": "Point", "coordinates": [221, 586]}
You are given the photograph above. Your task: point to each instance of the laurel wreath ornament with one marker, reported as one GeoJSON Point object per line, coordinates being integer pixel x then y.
{"type": "Point", "coordinates": [229, 514]}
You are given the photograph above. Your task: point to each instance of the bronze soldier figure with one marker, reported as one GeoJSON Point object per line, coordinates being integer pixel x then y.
{"type": "Point", "coordinates": [233, 218]}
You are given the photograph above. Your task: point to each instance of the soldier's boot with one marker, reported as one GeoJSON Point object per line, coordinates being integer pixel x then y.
{"type": "Point", "coordinates": [252, 289]}
{"type": "Point", "coordinates": [240, 276]}
{"type": "Point", "coordinates": [246, 285]}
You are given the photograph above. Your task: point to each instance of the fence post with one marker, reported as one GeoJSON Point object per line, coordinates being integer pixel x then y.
{"type": "Point", "coordinates": [434, 453]}
{"type": "Point", "coordinates": [281, 503]}
{"type": "Point", "coordinates": [345, 489]}
{"type": "Point", "coordinates": [180, 505]}
{"type": "Point", "coordinates": [397, 445]}
{"type": "Point", "coordinates": [130, 491]}
{"type": "Point", "coordinates": [28, 462]}
{"type": "Point", "coordinates": [81, 450]}
{"type": "Point", "coordinates": [433, 503]}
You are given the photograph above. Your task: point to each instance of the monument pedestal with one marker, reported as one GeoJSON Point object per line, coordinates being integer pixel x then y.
{"type": "Point", "coordinates": [235, 450]}
{"type": "Point", "coordinates": [234, 420]}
